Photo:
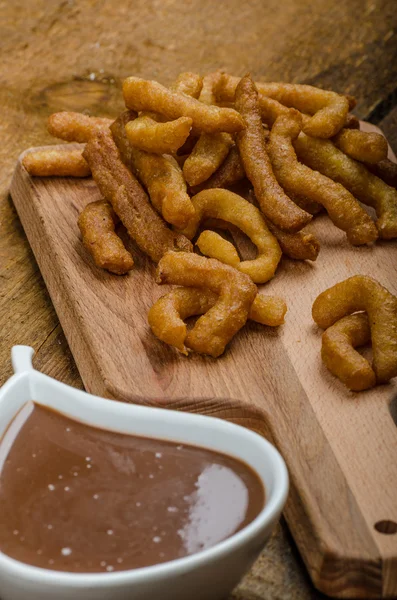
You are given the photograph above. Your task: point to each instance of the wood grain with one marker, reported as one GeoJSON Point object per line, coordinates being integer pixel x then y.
{"type": "Point", "coordinates": [340, 447]}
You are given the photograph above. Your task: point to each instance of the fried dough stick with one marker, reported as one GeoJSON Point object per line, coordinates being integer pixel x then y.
{"type": "Point", "coordinates": [329, 109]}
{"type": "Point", "coordinates": [166, 316]}
{"type": "Point", "coordinates": [140, 94]}
{"type": "Point", "coordinates": [97, 223]}
{"type": "Point", "coordinates": [211, 149]}
{"type": "Point", "coordinates": [340, 357]}
{"type": "Point", "coordinates": [231, 171]}
{"type": "Point", "coordinates": [362, 293]}
{"type": "Point", "coordinates": [271, 109]}
{"type": "Point", "coordinates": [343, 209]}
{"type": "Point", "coordinates": [298, 246]}
{"type": "Point", "coordinates": [75, 127]}
{"type": "Point", "coordinates": [273, 201]}
{"type": "Point", "coordinates": [148, 135]}
{"type": "Point", "coordinates": [232, 208]}
{"type": "Point", "coordinates": [129, 201]}
{"type": "Point", "coordinates": [365, 146]}
{"type": "Point", "coordinates": [188, 83]}
{"type": "Point", "coordinates": [235, 291]}
{"type": "Point", "coordinates": [323, 156]}
{"type": "Point", "coordinates": [57, 162]}
{"type": "Point", "coordinates": [213, 245]}
{"type": "Point", "coordinates": [160, 174]}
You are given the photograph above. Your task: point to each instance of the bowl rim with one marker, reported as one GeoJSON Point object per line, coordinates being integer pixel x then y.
{"type": "Point", "coordinates": [269, 513]}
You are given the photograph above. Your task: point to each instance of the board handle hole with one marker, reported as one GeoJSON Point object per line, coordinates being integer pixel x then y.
{"type": "Point", "coordinates": [386, 527]}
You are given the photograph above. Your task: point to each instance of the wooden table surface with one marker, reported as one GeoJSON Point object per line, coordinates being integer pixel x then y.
{"type": "Point", "coordinates": [72, 55]}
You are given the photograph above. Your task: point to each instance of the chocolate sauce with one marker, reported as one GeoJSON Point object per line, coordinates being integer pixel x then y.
{"type": "Point", "coordinates": [80, 499]}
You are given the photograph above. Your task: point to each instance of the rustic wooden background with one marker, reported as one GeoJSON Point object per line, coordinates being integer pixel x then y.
{"type": "Point", "coordinates": [73, 54]}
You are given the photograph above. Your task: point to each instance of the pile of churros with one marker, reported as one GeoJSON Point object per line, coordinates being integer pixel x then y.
{"type": "Point", "coordinates": [165, 167]}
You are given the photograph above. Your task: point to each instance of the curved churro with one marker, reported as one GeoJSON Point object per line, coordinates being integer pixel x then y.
{"type": "Point", "coordinates": [188, 83]}
{"type": "Point", "coordinates": [140, 94]}
{"type": "Point", "coordinates": [213, 245]}
{"type": "Point", "coordinates": [57, 162]}
{"type": "Point", "coordinates": [211, 149]}
{"type": "Point", "coordinates": [206, 157]}
{"type": "Point", "coordinates": [273, 201]}
{"type": "Point", "coordinates": [299, 246]}
{"type": "Point", "coordinates": [323, 156]}
{"type": "Point", "coordinates": [75, 127]}
{"type": "Point", "coordinates": [343, 209]}
{"type": "Point", "coordinates": [129, 201]}
{"type": "Point", "coordinates": [166, 316]}
{"type": "Point", "coordinates": [223, 204]}
{"type": "Point", "coordinates": [340, 357]}
{"type": "Point", "coordinates": [97, 223]}
{"type": "Point", "coordinates": [160, 174]}
{"type": "Point", "coordinates": [235, 291]}
{"type": "Point", "coordinates": [362, 293]}
{"type": "Point", "coordinates": [329, 109]}
{"type": "Point", "coordinates": [231, 171]}
{"type": "Point", "coordinates": [146, 134]}
{"type": "Point", "coordinates": [365, 146]}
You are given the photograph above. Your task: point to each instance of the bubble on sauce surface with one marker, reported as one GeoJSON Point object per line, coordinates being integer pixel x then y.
{"type": "Point", "coordinates": [51, 487]}
{"type": "Point", "coordinates": [157, 539]}
{"type": "Point", "coordinates": [66, 551]}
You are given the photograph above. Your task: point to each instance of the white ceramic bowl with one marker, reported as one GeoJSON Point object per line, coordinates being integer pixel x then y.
{"type": "Point", "coordinates": [207, 575]}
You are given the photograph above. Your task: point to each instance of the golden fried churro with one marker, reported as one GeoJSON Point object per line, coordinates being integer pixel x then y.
{"type": "Point", "coordinates": [231, 171]}
{"type": "Point", "coordinates": [329, 109]}
{"type": "Point", "coordinates": [299, 246]}
{"type": "Point", "coordinates": [75, 127]}
{"type": "Point", "coordinates": [211, 149]}
{"type": "Point", "coordinates": [213, 245]}
{"type": "Point", "coordinates": [166, 316]}
{"type": "Point", "coordinates": [208, 154]}
{"type": "Point", "coordinates": [57, 162]}
{"type": "Point", "coordinates": [225, 205]}
{"type": "Point", "coordinates": [385, 170]}
{"type": "Point", "coordinates": [161, 138]}
{"type": "Point", "coordinates": [188, 83]}
{"type": "Point", "coordinates": [129, 201]}
{"type": "Point", "coordinates": [235, 291]}
{"type": "Point", "coordinates": [340, 357]}
{"type": "Point", "coordinates": [97, 223]}
{"type": "Point", "coordinates": [140, 94]}
{"type": "Point", "coordinates": [323, 156]}
{"type": "Point", "coordinates": [343, 209]}
{"type": "Point", "coordinates": [268, 310]}
{"type": "Point", "coordinates": [160, 174]}
{"type": "Point", "coordinates": [273, 201]}
{"type": "Point", "coordinates": [362, 293]}
{"type": "Point", "coordinates": [365, 146]}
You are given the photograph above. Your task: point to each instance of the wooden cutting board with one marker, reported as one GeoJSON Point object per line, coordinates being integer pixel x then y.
{"type": "Point", "coordinates": [340, 447]}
